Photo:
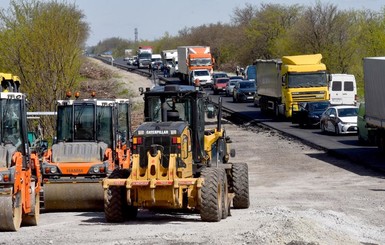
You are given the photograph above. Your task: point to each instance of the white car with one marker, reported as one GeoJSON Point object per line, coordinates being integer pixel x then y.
{"type": "Point", "coordinates": [339, 120]}
{"type": "Point", "coordinates": [204, 77]}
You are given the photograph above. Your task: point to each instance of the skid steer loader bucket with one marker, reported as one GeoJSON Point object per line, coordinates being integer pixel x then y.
{"type": "Point", "coordinates": [73, 196]}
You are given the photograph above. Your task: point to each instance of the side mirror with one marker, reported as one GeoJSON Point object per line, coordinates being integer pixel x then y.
{"type": "Point", "coordinates": [332, 116]}
{"type": "Point", "coordinates": [141, 90]}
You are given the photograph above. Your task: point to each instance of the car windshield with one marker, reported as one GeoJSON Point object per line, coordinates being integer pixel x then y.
{"type": "Point", "coordinates": [201, 73]}
{"type": "Point", "coordinates": [304, 80]}
{"type": "Point", "coordinates": [321, 106]}
{"type": "Point", "coordinates": [144, 56]}
{"type": "Point", "coordinates": [236, 78]}
{"type": "Point", "coordinates": [222, 80]}
{"type": "Point", "coordinates": [347, 112]}
{"type": "Point", "coordinates": [232, 83]}
{"type": "Point", "coordinates": [247, 85]}
{"type": "Point", "coordinates": [200, 62]}
{"type": "Point", "coordinates": [218, 75]}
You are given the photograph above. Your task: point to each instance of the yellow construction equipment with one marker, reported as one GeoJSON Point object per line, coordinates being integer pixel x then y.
{"type": "Point", "coordinates": [178, 163]}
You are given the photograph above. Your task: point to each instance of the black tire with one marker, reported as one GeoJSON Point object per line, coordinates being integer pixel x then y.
{"type": "Point", "coordinates": [361, 140]}
{"type": "Point", "coordinates": [323, 130]}
{"type": "Point", "coordinates": [336, 130]}
{"type": "Point", "coordinates": [211, 206]}
{"type": "Point", "coordinates": [276, 111]}
{"type": "Point", "coordinates": [114, 208]}
{"type": "Point", "coordinates": [240, 185]}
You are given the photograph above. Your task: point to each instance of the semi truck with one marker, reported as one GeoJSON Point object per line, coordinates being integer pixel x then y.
{"type": "Point", "coordinates": [374, 74]}
{"type": "Point", "coordinates": [144, 56]}
{"type": "Point", "coordinates": [283, 83]}
{"type": "Point", "coordinates": [193, 58]}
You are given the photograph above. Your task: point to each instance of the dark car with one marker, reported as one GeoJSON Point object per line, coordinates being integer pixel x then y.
{"type": "Point", "coordinates": [309, 113]}
{"type": "Point", "coordinates": [244, 91]}
{"type": "Point", "coordinates": [157, 65]}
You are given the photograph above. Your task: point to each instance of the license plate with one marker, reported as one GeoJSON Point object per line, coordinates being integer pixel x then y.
{"type": "Point", "coordinates": [250, 97]}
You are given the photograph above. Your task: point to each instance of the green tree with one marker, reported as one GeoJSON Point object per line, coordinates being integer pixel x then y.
{"type": "Point", "coordinates": [43, 42]}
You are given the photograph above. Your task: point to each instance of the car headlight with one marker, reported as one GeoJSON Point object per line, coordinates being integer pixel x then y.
{"type": "Point", "coordinates": [1, 178]}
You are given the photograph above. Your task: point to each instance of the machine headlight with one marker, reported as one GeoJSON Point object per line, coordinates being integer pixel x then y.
{"type": "Point", "coordinates": [53, 170]}
{"type": "Point", "coordinates": [96, 169]}
{"type": "Point", "coordinates": [4, 177]}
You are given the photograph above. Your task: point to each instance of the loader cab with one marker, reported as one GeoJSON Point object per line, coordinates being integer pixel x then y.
{"type": "Point", "coordinates": [171, 103]}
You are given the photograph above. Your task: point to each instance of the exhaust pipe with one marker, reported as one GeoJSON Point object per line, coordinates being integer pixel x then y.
{"type": "Point", "coordinates": [219, 116]}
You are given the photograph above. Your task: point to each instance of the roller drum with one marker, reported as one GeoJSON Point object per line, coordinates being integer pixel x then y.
{"type": "Point", "coordinates": [73, 196]}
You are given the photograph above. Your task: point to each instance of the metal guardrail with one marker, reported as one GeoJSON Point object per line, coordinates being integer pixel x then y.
{"type": "Point", "coordinates": [133, 69]}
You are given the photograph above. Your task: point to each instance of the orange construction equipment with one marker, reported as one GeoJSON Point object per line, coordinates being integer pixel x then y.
{"type": "Point", "coordinates": [92, 140]}
{"type": "Point", "coordinates": [19, 168]}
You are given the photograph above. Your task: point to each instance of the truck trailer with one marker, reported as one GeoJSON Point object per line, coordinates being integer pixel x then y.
{"type": "Point", "coordinates": [193, 58]}
{"type": "Point", "coordinates": [283, 83]}
{"type": "Point", "coordinates": [374, 74]}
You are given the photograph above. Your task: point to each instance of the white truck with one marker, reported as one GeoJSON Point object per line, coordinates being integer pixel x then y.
{"type": "Point", "coordinates": [193, 58]}
{"type": "Point", "coordinates": [167, 57]}
{"type": "Point", "coordinates": [144, 56]}
{"type": "Point", "coordinates": [374, 74]}
{"type": "Point", "coordinates": [342, 89]}
{"type": "Point", "coordinates": [128, 53]}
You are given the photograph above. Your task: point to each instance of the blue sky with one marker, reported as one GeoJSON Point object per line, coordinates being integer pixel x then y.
{"type": "Point", "coordinates": [153, 18]}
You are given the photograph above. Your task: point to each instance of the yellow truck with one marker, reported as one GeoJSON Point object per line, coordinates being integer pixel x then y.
{"type": "Point", "coordinates": [283, 83]}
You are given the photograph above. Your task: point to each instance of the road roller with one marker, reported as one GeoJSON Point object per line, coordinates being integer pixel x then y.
{"type": "Point", "coordinates": [92, 139]}
{"type": "Point", "coordinates": [19, 167]}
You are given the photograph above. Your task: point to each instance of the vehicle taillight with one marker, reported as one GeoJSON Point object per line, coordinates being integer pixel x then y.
{"type": "Point", "coordinates": [137, 140]}
{"type": "Point", "coordinates": [176, 140]}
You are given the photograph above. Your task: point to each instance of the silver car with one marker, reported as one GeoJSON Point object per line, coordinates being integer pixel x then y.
{"type": "Point", "coordinates": [339, 120]}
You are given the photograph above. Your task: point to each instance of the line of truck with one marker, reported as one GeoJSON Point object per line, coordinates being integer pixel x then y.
{"type": "Point", "coordinates": [179, 62]}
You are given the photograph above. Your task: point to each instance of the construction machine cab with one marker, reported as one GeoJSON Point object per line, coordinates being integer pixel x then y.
{"type": "Point", "coordinates": [179, 103]}
{"type": "Point", "coordinates": [19, 168]}
{"type": "Point", "coordinates": [92, 141]}
{"type": "Point", "coordinates": [13, 132]}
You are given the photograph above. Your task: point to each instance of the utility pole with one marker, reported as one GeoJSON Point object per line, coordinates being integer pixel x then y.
{"type": "Point", "coordinates": [136, 35]}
